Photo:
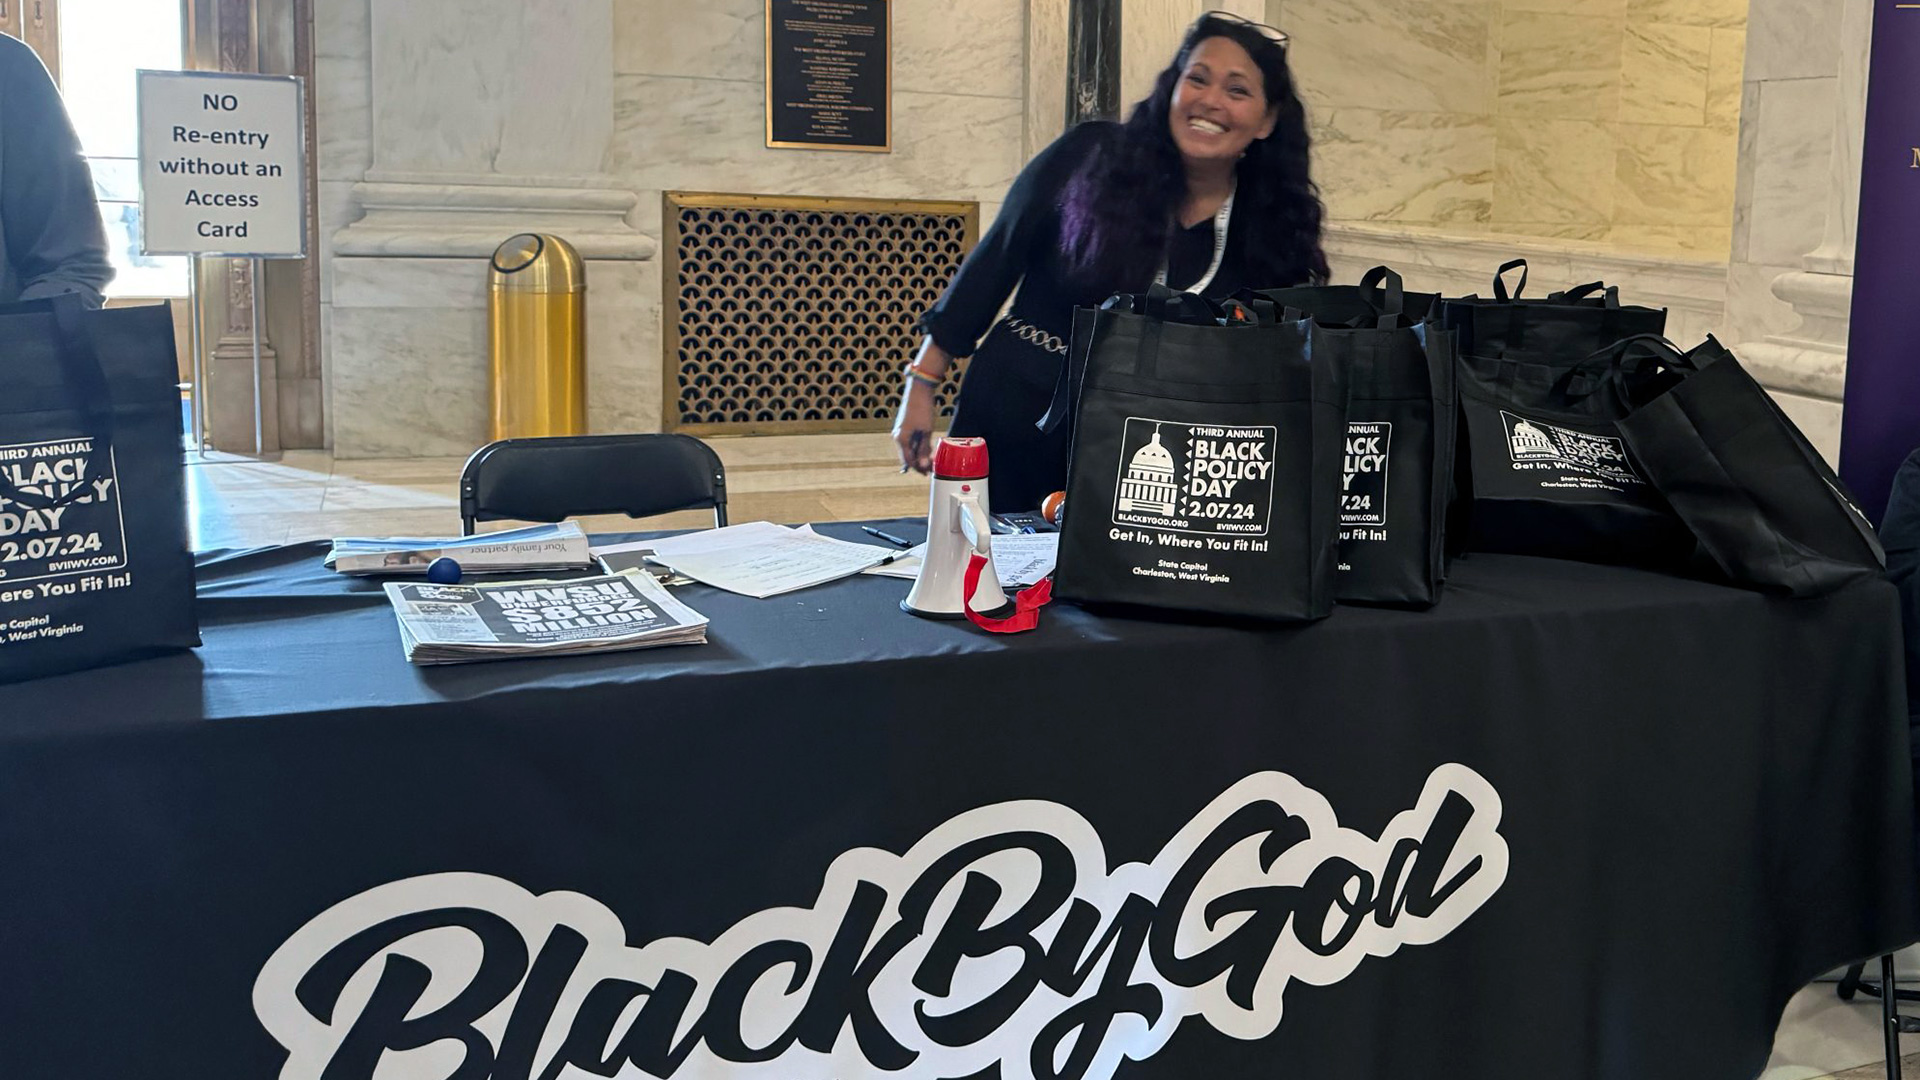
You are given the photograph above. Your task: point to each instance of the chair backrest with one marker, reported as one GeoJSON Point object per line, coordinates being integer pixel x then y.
{"type": "Point", "coordinates": [555, 478]}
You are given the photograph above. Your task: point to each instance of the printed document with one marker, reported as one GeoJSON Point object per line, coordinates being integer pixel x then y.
{"type": "Point", "coordinates": [1019, 559]}
{"type": "Point", "coordinates": [761, 559]}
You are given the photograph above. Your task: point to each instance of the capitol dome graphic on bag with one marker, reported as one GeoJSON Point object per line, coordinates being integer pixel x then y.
{"type": "Point", "coordinates": [1530, 441]}
{"type": "Point", "coordinates": [1149, 487]}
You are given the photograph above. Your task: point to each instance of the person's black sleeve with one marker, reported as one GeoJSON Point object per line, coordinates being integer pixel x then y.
{"type": "Point", "coordinates": [1027, 218]}
{"type": "Point", "coordinates": [54, 236]}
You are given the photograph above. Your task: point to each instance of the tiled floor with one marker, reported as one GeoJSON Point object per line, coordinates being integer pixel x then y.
{"type": "Point", "coordinates": [1909, 1066]}
{"type": "Point", "coordinates": [306, 495]}
{"type": "Point", "coordinates": [1820, 1036]}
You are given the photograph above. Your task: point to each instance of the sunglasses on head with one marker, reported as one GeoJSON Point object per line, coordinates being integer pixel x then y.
{"type": "Point", "coordinates": [1271, 33]}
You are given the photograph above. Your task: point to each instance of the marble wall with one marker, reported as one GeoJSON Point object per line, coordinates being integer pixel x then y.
{"type": "Point", "coordinates": [446, 127]}
{"type": "Point", "coordinates": [1151, 31]}
{"type": "Point", "coordinates": [342, 95]}
{"type": "Point", "coordinates": [1597, 131]}
{"type": "Point", "coordinates": [1796, 211]}
{"type": "Point", "coordinates": [1788, 99]}
{"type": "Point", "coordinates": [1601, 121]}
{"type": "Point", "coordinates": [687, 106]}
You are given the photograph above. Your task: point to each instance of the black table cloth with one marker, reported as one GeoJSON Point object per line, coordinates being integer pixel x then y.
{"type": "Point", "coordinates": [1577, 821]}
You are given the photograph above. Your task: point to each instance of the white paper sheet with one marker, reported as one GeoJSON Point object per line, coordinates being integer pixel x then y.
{"type": "Point", "coordinates": [703, 540]}
{"type": "Point", "coordinates": [1018, 560]}
{"type": "Point", "coordinates": [905, 565]}
{"type": "Point", "coordinates": [762, 560]}
{"type": "Point", "coordinates": [1024, 558]}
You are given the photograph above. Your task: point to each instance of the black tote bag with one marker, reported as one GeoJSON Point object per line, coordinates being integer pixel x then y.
{"type": "Point", "coordinates": [94, 562]}
{"type": "Point", "coordinates": [1564, 328]}
{"type": "Point", "coordinates": [1398, 458]}
{"type": "Point", "coordinates": [1757, 496]}
{"type": "Point", "coordinates": [1548, 471]}
{"type": "Point", "coordinates": [1205, 472]}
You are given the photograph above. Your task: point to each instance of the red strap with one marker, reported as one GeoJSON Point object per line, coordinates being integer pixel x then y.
{"type": "Point", "coordinates": [1026, 606]}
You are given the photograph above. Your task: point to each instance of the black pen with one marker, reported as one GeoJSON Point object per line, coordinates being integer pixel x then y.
{"type": "Point", "coordinates": [914, 443]}
{"type": "Point", "coordinates": [887, 536]}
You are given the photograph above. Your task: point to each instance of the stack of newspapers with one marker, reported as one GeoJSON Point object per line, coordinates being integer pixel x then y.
{"type": "Point", "coordinates": [535, 548]}
{"type": "Point", "coordinates": [451, 624]}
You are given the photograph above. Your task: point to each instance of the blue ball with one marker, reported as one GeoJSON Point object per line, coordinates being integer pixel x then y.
{"type": "Point", "coordinates": [443, 571]}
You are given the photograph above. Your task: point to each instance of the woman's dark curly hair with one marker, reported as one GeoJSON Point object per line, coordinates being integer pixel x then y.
{"type": "Point", "coordinates": [1117, 210]}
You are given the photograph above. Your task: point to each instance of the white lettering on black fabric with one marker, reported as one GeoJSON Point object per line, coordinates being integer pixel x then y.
{"type": "Point", "coordinates": [1195, 478]}
{"type": "Point", "coordinates": [1001, 937]}
{"type": "Point", "coordinates": [1567, 458]}
{"type": "Point", "coordinates": [58, 518]}
{"type": "Point", "coordinates": [1363, 480]}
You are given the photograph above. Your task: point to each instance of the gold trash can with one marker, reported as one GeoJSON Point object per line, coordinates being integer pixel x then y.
{"type": "Point", "coordinates": [537, 335]}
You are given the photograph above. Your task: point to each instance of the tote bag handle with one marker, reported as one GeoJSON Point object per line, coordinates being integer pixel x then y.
{"type": "Point", "coordinates": [1500, 280]}
{"type": "Point", "coordinates": [1250, 311]}
{"type": "Point", "coordinates": [80, 365]}
{"type": "Point", "coordinates": [1158, 306]}
{"type": "Point", "coordinates": [1609, 294]}
{"type": "Point", "coordinates": [1393, 296]}
{"type": "Point", "coordinates": [1609, 366]}
{"type": "Point", "coordinates": [1160, 302]}
{"type": "Point", "coordinates": [1381, 289]}
{"type": "Point", "coordinates": [1073, 373]}
{"type": "Point", "coordinates": [1246, 306]}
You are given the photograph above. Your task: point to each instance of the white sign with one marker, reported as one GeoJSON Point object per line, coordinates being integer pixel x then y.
{"type": "Point", "coordinates": [222, 165]}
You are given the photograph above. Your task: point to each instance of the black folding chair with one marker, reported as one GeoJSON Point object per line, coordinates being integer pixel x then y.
{"type": "Point", "coordinates": [1894, 1023]}
{"type": "Point", "coordinates": [556, 478]}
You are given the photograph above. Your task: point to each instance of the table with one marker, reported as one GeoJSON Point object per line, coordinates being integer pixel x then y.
{"type": "Point", "coordinates": [1577, 821]}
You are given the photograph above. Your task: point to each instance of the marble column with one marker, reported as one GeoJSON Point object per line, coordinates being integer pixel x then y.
{"type": "Point", "coordinates": [1093, 60]}
{"type": "Point", "coordinates": [228, 37]}
{"type": "Point", "coordinates": [489, 122]}
{"type": "Point", "coordinates": [498, 118]}
{"type": "Point", "coordinates": [1805, 365]}
{"type": "Point", "coordinates": [1046, 74]}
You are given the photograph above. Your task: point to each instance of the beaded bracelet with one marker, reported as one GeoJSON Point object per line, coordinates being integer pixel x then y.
{"type": "Point", "coordinates": [914, 372]}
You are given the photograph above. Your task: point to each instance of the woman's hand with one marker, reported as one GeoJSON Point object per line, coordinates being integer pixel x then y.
{"type": "Point", "coordinates": [913, 424]}
{"type": "Point", "coordinates": [913, 427]}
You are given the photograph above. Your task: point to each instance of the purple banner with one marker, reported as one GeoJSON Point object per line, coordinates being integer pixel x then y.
{"type": "Point", "coordinates": [1881, 424]}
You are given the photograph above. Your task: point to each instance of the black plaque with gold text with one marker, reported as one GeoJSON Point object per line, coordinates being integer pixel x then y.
{"type": "Point", "coordinates": [829, 74]}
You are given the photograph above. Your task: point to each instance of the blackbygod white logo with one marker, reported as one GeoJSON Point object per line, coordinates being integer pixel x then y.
{"type": "Point", "coordinates": [1001, 937]}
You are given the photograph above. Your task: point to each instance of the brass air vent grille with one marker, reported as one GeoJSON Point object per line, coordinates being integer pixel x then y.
{"type": "Point", "coordinates": [789, 315]}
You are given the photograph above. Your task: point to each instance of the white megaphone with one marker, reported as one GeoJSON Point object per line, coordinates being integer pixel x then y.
{"type": "Point", "coordinates": [957, 529]}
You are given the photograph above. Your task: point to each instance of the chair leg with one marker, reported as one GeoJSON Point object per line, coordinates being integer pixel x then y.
{"type": "Point", "coordinates": [1854, 981]}
{"type": "Point", "coordinates": [1850, 982]}
{"type": "Point", "coordinates": [1890, 1015]}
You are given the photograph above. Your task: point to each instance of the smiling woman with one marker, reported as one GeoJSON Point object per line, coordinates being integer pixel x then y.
{"type": "Point", "coordinates": [1205, 188]}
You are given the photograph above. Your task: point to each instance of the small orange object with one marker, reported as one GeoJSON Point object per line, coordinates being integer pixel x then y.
{"type": "Point", "coordinates": [1052, 506]}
